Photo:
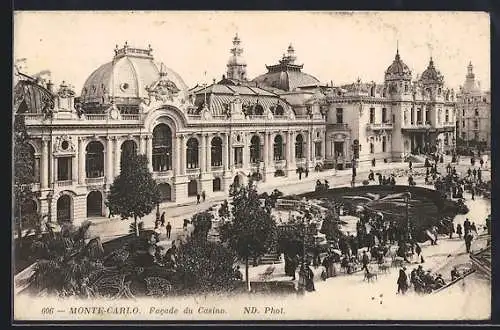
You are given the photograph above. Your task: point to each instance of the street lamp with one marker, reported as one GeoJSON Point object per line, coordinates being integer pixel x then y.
{"type": "Point", "coordinates": [407, 200]}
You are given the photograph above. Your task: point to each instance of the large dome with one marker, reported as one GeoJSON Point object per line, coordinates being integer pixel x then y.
{"type": "Point", "coordinates": [431, 75]}
{"type": "Point", "coordinates": [398, 70]}
{"type": "Point", "coordinates": [127, 76]}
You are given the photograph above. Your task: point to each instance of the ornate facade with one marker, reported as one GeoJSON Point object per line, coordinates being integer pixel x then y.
{"type": "Point", "coordinates": [386, 122]}
{"type": "Point", "coordinates": [203, 139]}
{"type": "Point", "coordinates": [474, 112]}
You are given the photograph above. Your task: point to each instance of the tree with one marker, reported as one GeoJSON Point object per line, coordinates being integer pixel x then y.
{"type": "Point", "coordinates": [23, 171]}
{"type": "Point", "coordinates": [202, 223]}
{"type": "Point", "coordinates": [205, 266]}
{"type": "Point", "coordinates": [134, 193]}
{"type": "Point", "coordinates": [252, 230]}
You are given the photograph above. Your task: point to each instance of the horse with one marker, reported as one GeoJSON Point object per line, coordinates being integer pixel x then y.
{"type": "Point", "coordinates": [370, 277]}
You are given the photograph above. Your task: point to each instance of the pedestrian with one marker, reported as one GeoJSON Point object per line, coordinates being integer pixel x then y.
{"type": "Point", "coordinates": [162, 219]}
{"type": "Point", "coordinates": [468, 241]}
{"type": "Point", "coordinates": [365, 260]}
{"type": "Point", "coordinates": [473, 192]}
{"type": "Point", "coordinates": [410, 165]}
{"type": "Point", "coordinates": [479, 174]}
{"type": "Point", "coordinates": [309, 278]}
{"type": "Point", "coordinates": [300, 173]}
{"type": "Point", "coordinates": [459, 230]}
{"type": "Point", "coordinates": [373, 162]}
{"type": "Point", "coordinates": [402, 281]}
{"type": "Point", "coordinates": [198, 198]}
{"type": "Point", "coordinates": [474, 173]}
{"type": "Point", "coordinates": [169, 230]}
{"type": "Point", "coordinates": [203, 195]}
{"type": "Point", "coordinates": [481, 162]}
{"type": "Point", "coordinates": [452, 229]}
{"type": "Point", "coordinates": [307, 172]}
{"type": "Point", "coordinates": [473, 227]}
{"type": "Point", "coordinates": [418, 251]}
{"type": "Point", "coordinates": [466, 226]}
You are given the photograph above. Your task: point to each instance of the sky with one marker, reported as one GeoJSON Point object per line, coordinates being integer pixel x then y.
{"type": "Point", "coordinates": [337, 47]}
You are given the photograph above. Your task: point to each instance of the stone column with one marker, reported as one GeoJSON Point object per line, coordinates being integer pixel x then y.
{"type": "Point", "coordinates": [270, 149]}
{"type": "Point", "coordinates": [288, 150]}
{"type": "Point", "coordinates": [149, 152]}
{"type": "Point", "coordinates": [109, 160]}
{"type": "Point", "coordinates": [74, 169]}
{"type": "Point", "coordinates": [202, 154]}
{"type": "Point", "coordinates": [44, 177]}
{"type": "Point", "coordinates": [225, 152]}
{"type": "Point", "coordinates": [265, 157]}
{"type": "Point", "coordinates": [183, 155]}
{"type": "Point", "coordinates": [323, 145]}
{"type": "Point", "coordinates": [118, 156]}
{"type": "Point", "coordinates": [54, 169]}
{"type": "Point", "coordinates": [246, 152]}
{"type": "Point", "coordinates": [142, 145]}
{"type": "Point", "coordinates": [81, 160]}
{"type": "Point", "coordinates": [209, 154]}
{"type": "Point", "coordinates": [178, 155]}
{"type": "Point", "coordinates": [309, 144]}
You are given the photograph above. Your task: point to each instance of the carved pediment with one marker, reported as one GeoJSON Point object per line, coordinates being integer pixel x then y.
{"type": "Point", "coordinates": [163, 90]}
{"type": "Point", "coordinates": [64, 145]}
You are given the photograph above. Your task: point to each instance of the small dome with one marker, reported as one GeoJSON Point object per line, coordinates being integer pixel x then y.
{"type": "Point", "coordinates": [398, 70]}
{"type": "Point", "coordinates": [431, 75]}
{"type": "Point", "coordinates": [127, 76]}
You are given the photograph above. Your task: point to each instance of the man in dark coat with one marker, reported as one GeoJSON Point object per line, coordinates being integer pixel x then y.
{"type": "Point", "coordinates": [468, 241]}
{"type": "Point", "coordinates": [169, 229]}
{"type": "Point", "coordinates": [402, 281]}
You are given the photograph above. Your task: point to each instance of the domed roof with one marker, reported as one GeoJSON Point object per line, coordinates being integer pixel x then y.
{"type": "Point", "coordinates": [398, 70]}
{"type": "Point", "coordinates": [128, 75]}
{"type": "Point", "coordinates": [431, 75]}
{"type": "Point", "coordinates": [286, 75]}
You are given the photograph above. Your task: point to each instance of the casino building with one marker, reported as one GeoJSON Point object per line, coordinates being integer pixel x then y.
{"type": "Point", "coordinates": [200, 139]}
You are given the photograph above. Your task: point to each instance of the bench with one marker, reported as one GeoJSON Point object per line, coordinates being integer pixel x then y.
{"type": "Point", "coordinates": [267, 274]}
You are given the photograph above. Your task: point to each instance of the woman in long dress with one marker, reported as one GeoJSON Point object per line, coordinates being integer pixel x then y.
{"type": "Point", "coordinates": [309, 278]}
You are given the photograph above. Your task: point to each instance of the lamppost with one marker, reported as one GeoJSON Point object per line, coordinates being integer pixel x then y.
{"type": "Point", "coordinates": [407, 200]}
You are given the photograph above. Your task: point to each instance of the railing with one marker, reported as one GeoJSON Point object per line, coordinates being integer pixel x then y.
{"type": "Point", "coordinates": [280, 117]}
{"type": "Point", "coordinates": [162, 174]}
{"type": "Point", "coordinates": [302, 117]}
{"type": "Point", "coordinates": [96, 116]}
{"type": "Point", "coordinates": [338, 126]}
{"type": "Point", "coordinates": [64, 183]}
{"type": "Point", "coordinates": [300, 161]}
{"type": "Point", "coordinates": [256, 117]}
{"type": "Point", "coordinates": [94, 181]}
{"type": "Point", "coordinates": [216, 168]}
{"type": "Point", "coordinates": [194, 117]}
{"type": "Point", "coordinates": [280, 163]}
{"type": "Point", "coordinates": [131, 116]}
{"type": "Point", "coordinates": [192, 170]}
{"type": "Point", "coordinates": [386, 125]}
{"type": "Point", "coordinates": [238, 165]}
{"type": "Point", "coordinates": [33, 116]}
{"type": "Point", "coordinates": [419, 125]}
{"type": "Point", "coordinates": [35, 186]}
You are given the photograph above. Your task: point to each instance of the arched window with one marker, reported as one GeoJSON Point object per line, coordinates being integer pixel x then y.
{"type": "Point", "coordinates": [279, 111]}
{"type": "Point", "coordinates": [192, 153]}
{"type": "Point", "coordinates": [216, 184]}
{"type": "Point", "coordinates": [94, 161]}
{"type": "Point", "coordinates": [258, 110]}
{"type": "Point", "coordinates": [166, 192]}
{"type": "Point", "coordinates": [278, 148]}
{"type": "Point", "coordinates": [64, 208]}
{"type": "Point", "coordinates": [94, 204]}
{"type": "Point", "coordinates": [192, 188]}
{"type": "Point", "coordinates": [299, 146]}
{"type": "Point", "coordinates": [162, 148]}
{"type": "Point", "coordinates": [128, 148]}
{"type": "Point", "coordinates": [216, 151]}
{"type": "Point", "coordinates": [255, 154]}
{"type": "Point", "coordinates": [372, 91]}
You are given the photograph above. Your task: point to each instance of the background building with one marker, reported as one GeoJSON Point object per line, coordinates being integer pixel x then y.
{"type": "Point", "coordinates": [388, 122]}
{"type": "Point", "coordinates": [474, 113]}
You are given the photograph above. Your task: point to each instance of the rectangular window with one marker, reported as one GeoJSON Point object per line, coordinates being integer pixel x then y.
{"type": "Point", "coordinates": [412, 116]}
{"type": "Point", "coordinates": [384, 115]}
{"type": "Point", "coordinates": [372, 115]}
{"type": "Point", "coordinates": [340, 116]}
{"type": "Point", "coordinates": [476, 136]}
{"type": "Point", "coordinates": [338, 148]}
{"type": "Point", "coordinates": [447, 116]}
{"type": "Point", "coordinates": [476, 112]}
{"type": "Point", "coordinates": [419, 116]}
{"type": "Point", "coordinates": [317, 149]}
{"type": "Point", "coordinates": [463, 123]}
{"type": "Point", "coordinates": [463, 112]}
{"type": "Point", "coordinates": [64, 169]}
{"type": "Point", "coordinates": [476, 124]}
{"type": "Point", "coordinates": [238, 156]}
{"type": "Point", "coordinates": [464, 136]}
{"type": "Point", "coordinates": [384, 144]}
{"type": "Point", "coordinates": [216, 184]}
